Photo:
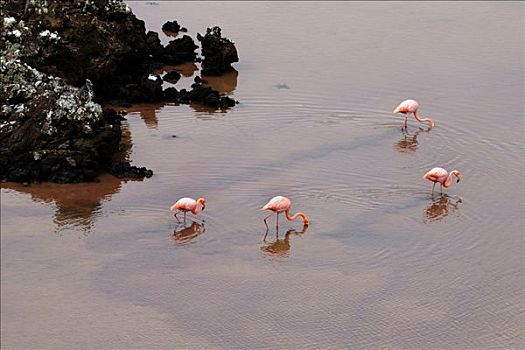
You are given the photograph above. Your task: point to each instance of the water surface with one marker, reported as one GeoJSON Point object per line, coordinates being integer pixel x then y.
{"type": "Point", "coordinates": [384, 264]}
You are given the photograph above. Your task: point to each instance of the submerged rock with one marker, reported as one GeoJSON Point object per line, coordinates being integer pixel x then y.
{"type": "Point", "coordinates": [219, 53]}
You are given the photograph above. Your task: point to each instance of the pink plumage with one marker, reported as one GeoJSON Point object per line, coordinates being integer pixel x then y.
{"type": "Point", "coordinates": [408, 107]}
{"type": "Point", "coordinates": [279, 204]}
{"type": "Point", "coordinates": [188, 204]}
{"type": "Point", "coordinates": [441, 176]}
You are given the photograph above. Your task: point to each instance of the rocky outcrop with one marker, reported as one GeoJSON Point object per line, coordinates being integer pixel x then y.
{"type": "Point", "coordinates": [180, 50]}
{"type": "Point", "coordinates": [173, 26]}
{"type": "Point", "coordinates": [50, 130]}
{"type": "Point", "coordinates": [219, 53]}
{"type": "Point", "coordinates": [59, 60]}
{"type": "Point", "coordinates": [199, 94]}
{"type": "Point", "coordinates": [97, 40]}
{"type": "Point", "coordinates": [171, 77]}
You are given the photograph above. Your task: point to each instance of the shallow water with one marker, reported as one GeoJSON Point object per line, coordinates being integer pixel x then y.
{"type": "Point", "coordinates": [384, 264]}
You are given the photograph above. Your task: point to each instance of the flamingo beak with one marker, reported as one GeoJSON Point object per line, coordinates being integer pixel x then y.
{"type": "Point", "coordinates": [458, 180]}
{"type": "Point", "coordinates": [203, 207]}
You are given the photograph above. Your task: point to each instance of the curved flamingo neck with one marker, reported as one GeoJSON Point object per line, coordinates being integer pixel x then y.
{"type": "Point", "coordinates": [424, 120]}
{"type": "Point", "coordinates": [197, 207]}
{"type": "Point", "coordinates": [295, 216]}
{"type": "Point", "coordinates": [448, 181]}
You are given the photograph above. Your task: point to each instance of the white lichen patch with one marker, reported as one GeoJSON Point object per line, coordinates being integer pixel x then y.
{"type": "Point", "coordinates": [117, 6]}
{"type": "Point", "coordinates": [63, 102]}
{"type": "Point", "coordinates": [9, 22]}
{"type": "Point", "coordinates": [46, 34]}
{"type": "Point", "coordinates": [152, 77]}
{"type": "Point", "coordinates": [15, 32]}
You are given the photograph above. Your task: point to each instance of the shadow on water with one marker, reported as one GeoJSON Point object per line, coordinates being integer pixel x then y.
{"type": "Point", "coordinates": [439, 208]}
{"type": "Point", "coordinates": [409, 141]}
{"type": "Point", "coordinates": [281, 247]}
{"type": "Point", "coordinates": [147, 112]}
{"type": "Point", "coordinates": [185, 234]}
{"type": "Point", "coordinates": [77, 205]}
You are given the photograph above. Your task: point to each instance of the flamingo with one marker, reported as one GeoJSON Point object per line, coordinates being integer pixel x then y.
{"type": "Point", "coordinates": [442, 176]}
{"type": "Point", "coordinates": [188, 204]}
{"type": "Point", "coordinates": [279, 204]}
{"type": "Point", "coordinates": [411, 106]}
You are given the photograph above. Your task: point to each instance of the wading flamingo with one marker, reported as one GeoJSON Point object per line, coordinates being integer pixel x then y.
{"type": "Point", "coordinates": [410, 106]}
{"type": "Point", "coordinates": [442, 176]}
{"type": "Point", "coordinates": [187, 204]}
{"type": "Point", "coordinates": [279, 204]}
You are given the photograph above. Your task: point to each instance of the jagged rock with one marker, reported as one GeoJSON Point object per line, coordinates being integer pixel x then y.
{"type": "Point", "coordinates": [126, 170]}
{"type": "Point", "coordinates": [171, 77]}
{"type": "Point", "coordinates": [61, 57]}
{"type": "Point", "coordinates": [101, 41]}
{"type": "Point", "coordinates": [155, 48]}
{"type": "Point", "coordinates": [180, 50]}
{"type": "Point", "coordinates": [172, 26]}
{"type": "Point", "coordinates": [50, 130]}
{"type": "Point", "coordinates": [219, 53]}
{"type": "Point", "coordinates": [171, 94]}
{"type": "Point", "coordinates": [201, 94]}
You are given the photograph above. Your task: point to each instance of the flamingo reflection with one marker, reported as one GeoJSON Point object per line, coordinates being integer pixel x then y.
{"type": "Point", "coordinates": [409, 142]}
{"type": "Point", "coordinates": [281, 247]}
{"type": "Point", "coordinates": [439, 208]}
{"type": "Point", "coordinates": [187, 234]}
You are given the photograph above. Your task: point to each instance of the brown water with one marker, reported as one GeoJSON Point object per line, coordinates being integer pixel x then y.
{"type": "Point", "coordinates": [383, 265]}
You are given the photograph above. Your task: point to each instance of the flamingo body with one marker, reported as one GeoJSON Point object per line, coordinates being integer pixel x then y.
{"type": "Point", "coordinates": [279, 204]}
{"type": "Point", "coordinates": [408, 107]}
{"type": "Point", "coordinates": [188, 204]}
{"type": "Point", "coordinates": [441, 176]}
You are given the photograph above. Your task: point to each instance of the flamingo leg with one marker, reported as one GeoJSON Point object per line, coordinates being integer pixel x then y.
{"type": "Point", "coordinates": [176, 217]}
{"type": "Point", "coordinates": [277, 223]}
{"type": "Point", "coordinates": [265, 234]}
{"type": "Point", "coordinates": [441, 188]}
{"type": "Point", "coordinates": [406, 121]}
{"type": "Point", "coordinates": [184, 218]}
{"type": "Point", "coordinates": [266, 218]}
{"type": "Point", "coordinates": [434, 185]}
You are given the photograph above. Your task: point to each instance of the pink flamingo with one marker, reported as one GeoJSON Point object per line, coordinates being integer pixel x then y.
{"type": "Point", "coordinates": [411, 106]}
{"type": "Point", "coordinates": [442, 176]}
{"type": "Point", "coordinates": [279, 204]}
{"type": "Point", "coordinates": [187, 204]}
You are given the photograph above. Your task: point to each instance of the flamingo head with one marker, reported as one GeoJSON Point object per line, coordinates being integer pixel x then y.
{"type": "Point", "coordinates": [457, 174]}
{"type": "Point", "coordinates": [306, 221]}
{"type": "Point", "coordinates": [202, 201]}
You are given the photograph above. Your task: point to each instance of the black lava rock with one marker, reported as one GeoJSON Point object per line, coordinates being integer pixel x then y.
{"type": "Point", "coordinates": [171, 94]}
{"type": "Point", "coordinates": [172, 26]}
{"type": "Point", "coordinates": [171, 77]}
{"type": "Point", "coordinates": [219, 53]}
{"type": "Point", "coordinates": [180, 50]}
{"type": "Point", "coordinates": [126, 170]}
